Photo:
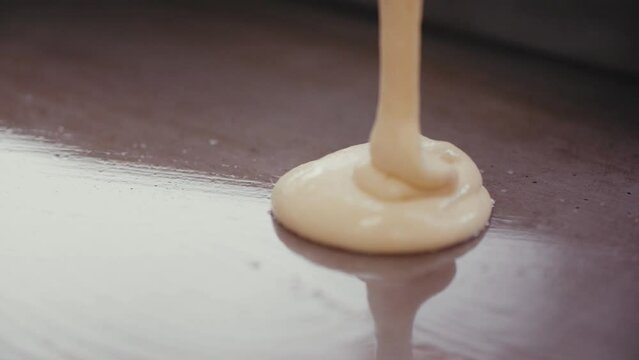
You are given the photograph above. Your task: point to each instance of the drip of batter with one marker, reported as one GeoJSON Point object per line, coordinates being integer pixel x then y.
{"type": "Point", "coordinates": [396, 141]}
{"type": "Point", "coordinates": [400, 193]}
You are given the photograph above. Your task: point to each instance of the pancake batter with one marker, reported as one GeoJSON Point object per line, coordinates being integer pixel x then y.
{"type": "Point", "coordinates": [400, 193]}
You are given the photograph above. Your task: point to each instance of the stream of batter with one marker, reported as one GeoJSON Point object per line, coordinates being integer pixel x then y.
{"type": "Point", "coordinates": [400, 193]}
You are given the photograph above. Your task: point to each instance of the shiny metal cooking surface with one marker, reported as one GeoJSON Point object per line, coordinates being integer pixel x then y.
{"type": "Point", "coordinates": [137, 151]}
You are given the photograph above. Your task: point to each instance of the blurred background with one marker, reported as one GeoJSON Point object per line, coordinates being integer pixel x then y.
{"type": "Point", "coordinates": [598, 33]}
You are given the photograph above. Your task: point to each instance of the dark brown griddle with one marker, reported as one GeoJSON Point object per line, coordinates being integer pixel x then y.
{"type": "Point", "coordinates": [555, 277]}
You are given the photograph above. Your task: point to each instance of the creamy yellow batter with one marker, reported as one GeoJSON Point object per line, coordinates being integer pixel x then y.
{"type": "Point", "coordinates": [400, 193]}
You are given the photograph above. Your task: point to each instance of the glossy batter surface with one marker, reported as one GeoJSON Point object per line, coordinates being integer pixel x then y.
{"type": "Point", "coordinates": [321, 201]}
{"type": "Point", "coordinates": [403, 192]}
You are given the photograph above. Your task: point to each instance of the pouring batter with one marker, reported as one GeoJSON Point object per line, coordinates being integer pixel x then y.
{"type": "Point", "coordinates": [400, 193]}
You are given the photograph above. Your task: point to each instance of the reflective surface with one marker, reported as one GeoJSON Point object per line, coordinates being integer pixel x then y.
{"type": "Point", "coordinates": [136, 162]}
{"type": "Point", "coordinates": [396, 286]}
